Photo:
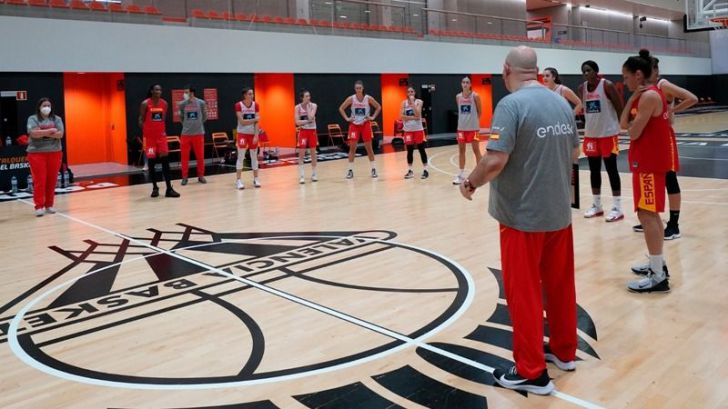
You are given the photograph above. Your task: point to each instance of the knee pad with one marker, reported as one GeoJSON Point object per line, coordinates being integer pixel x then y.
{"type": "Point", "coordinates": [671, 183]}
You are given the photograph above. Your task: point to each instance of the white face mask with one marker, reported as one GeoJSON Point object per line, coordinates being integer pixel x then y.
{"type": "Point", "coordinates": [45, 110]}
{"type": "Point", "coordinates": [186, 96]}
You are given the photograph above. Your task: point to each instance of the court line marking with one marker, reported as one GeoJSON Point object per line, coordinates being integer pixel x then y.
{"type": "Point", "coordinates": [691, 157]}
{"type": "Point", "coordinates": [407, 341]}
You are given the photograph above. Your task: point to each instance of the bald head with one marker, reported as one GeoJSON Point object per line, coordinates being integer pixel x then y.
{"type": "Point", "coordinates": [522, 59]}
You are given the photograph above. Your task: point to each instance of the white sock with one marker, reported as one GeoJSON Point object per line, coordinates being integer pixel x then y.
{"type": "Point", "coordinates": [409, 166]}
{"type": "Point", "coordinates": [598, 200]}
{"type": "Point", "coordinates": [373, 164]}
{"type": "Point", "coordinates": [300, 170]}
{"type": "Point", "coordinates": [313, 171]}
{"type": "Point", "coordinates": [617, 203]}
{"type": "Point", "coordinates": [656, 263]}
{"type": "Point", "coordinates": [462, 172]}
{"type": "Point", "coordinates": [425, 166]}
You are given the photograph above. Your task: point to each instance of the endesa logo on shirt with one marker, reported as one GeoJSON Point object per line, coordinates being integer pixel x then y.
{"type": "Point", "coordinates": [557, 129]}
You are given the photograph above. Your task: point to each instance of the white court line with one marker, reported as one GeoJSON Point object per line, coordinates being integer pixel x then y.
{"type": "Point", "coordinates": [433, 166]}
{"type": "Point", "coordinates": [407, 341]}
{"type": "Point", "coordinates": [691, 157]}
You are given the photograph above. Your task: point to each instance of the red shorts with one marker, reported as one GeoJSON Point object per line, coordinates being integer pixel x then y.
{"type": "Point", "coordinates": [245, 141]}
{"type": "Point", "coordinates": [468, 136]}
{"type": "Point", "coordinates": [649, 191]}
{"type": "Point", "coordinates": [414, 137]}
{"type": "Point", "coordinates": [363, 130]}
{"type": "Point", "coordinates": [307, 138]}
{"type": "Point", "coordinates": [603, 147]}
{"type": "Point", "coordinates": [155, 146]}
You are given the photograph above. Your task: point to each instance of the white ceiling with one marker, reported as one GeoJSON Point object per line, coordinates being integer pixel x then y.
{"type": "Point", "coordinates": [664, 9]}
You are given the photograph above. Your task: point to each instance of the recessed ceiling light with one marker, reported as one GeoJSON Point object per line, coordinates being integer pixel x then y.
{"type": "Point", "coordinates": [454, 19]}
{"type": "Point", "coordinates": [415, 15]}
{"type": "Point", "coordinates": [343, 17]}
{"type": "Point", "coordinates": [367, 11]}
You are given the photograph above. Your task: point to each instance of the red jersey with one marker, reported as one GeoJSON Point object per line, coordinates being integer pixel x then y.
{"type": "Point", "coordinates": [651, 152]}
{"type": "Point", "coordinates": [154, 121]}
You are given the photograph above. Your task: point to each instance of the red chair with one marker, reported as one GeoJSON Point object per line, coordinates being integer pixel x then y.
{"type": "Point", "coordinates": [38, 3]}
{"type": "Point", "coordinates": [266, 19]}
{"type": "Point", "coordinates": [97, 6]}
{"type": "Point", "coordinates": [134, 9]}
{"type": "Point", "coordinates": [226, 15]}
{"type": "Point", "coordinates": [59, 4]}
{"type": "Point", "coordinates": [78, 5]}
{"type": "Point", "coordinates": [301, 22]}
{"type": "Point", "coordinates": [243, 17]}
{"type": "Point", "coordinates": [17, 2]}
{"type": "Point", "coordinates": [151, 10]}
{"type": "Point", "coordinates": [197, 13]}
{"type": "Point", "coordinates": [289, 20]}
{"type": "Point", "coordinates": [116, 8]}
{"type": "Point", "coordinates": [213, 15]}
{"type": "Point", "coordinates": [278, 20]}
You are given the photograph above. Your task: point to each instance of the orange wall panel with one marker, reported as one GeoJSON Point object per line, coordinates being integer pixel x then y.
{"type": "Point", "coordinates": [276, 96]}
{"type": "Point", "coordinates": [95, 118]}
{"type": "Point", "coordinates": [392, 96]}
{"type": "Point", "coordinates": [486, 97]}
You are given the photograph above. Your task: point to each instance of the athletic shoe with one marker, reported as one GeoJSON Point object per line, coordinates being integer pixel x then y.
{"type": "Point", "coordinates": [593, 211]}
{"type": "Point", "coordinates": [314, 178]}
{"type": "Point", "coordinates": [409, 174]}
{"type": "Point", "coordinates": [638, 228]}
{"type": "Point", "coordinates": [649, 284]}
{"type": "Point", "coordinates": [425, 174]}
{"type": "Point", "coordinates": [563, 365]}
{"type": "Point", "coordinates": [374, 173]}
{"type": "Point", "coordinates": [302, 180]}
{"type": "Point", "coordinates": [256, 182]}
{"type": "Point", "coordinates": [50, 210]}
{"type": "Point", "coordinates": [39, 212]}
{"type": "Point", "coordinates": [239, 184]}
{"type": "Point", "coordinates": [644, 268]}
{"type": "Point", "coordinates": [458, 180]}
{"type": "Point", "coordinates": [145, 168]}
{"type": "Point", "coordinates": [184, 182]}
{"type": "Point", "coordinates": [614, 215]}
{"type": "Point", "coordinates": [350, 174]}
{"type": "Point", "coordinates": [155, 192]}
{"type": "Point", "coordinates": [171, 193]}
{"type": "Point", "coordinates": [202, 180]}
{"type": "Point", "coordinates": [510, 379]}
{"type": "Point", "coordinates": [672, 232]}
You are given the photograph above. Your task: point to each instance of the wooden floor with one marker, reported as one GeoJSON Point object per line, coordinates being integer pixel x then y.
{"type": "Point", "coordinates": [337, 294]}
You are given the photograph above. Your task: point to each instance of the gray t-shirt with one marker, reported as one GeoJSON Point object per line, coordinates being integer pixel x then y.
{"type": "Point", "coordinates": [44, 144]}
{"type": "Point", "coordinates": [536, 128]}
{"type": "Point", "coordinates": [193, 115]}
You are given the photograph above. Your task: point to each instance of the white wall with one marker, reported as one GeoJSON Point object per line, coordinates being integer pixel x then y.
{"type": "Point", "coordinates": [48, 45]}
{"type": "Point", "coordinates": [718, 48]}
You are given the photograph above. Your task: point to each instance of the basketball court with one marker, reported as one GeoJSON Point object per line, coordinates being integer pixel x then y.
{"type": "Point", "coordinates": [364, 293]}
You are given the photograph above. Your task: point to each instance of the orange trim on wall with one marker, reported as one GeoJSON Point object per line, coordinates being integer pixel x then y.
{"type": "Point", "coordinates": [95, 118]}
{"type": "Point", "coordinates": [276, 95]}
{"type": "Point", "coordinates": [392, 96]}
{"type": "Point", "coordinates": [486, 97]}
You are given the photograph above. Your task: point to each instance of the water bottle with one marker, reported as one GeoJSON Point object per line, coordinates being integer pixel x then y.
{"type": "Point", "coordinates": [14, 185]}
{"type": "Point", "coordinates": [66, 181]}
{"type": "Point", "coordinates": [58, 181]}
{"type": "Point", "coordinates": [30, 184]}
{"type": "Point", "coordinates": [8, 141]}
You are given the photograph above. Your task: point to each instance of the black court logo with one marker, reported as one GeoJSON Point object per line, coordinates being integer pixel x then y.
{"type": "Point", "coordinates": [216, 309]}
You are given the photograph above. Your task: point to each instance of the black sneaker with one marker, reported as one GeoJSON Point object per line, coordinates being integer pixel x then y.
{"type": "Point", "coordinates": [374, 173]}
{"type": "Point", "coordinates": [409, 174]}
{"type": "Point", "coordinates": [649, 284]}
{"type": "Point", "coordinates": [155, 192]}
{"type": "Point", "coordinates": [184, 182]}
{"type": "Point", "coordinates": [638, 228]}
{"type": "Point", "coordinates": [672, 232]}
{"type": "Point", "coordinates": [350, 174]}
{"type": "Point", "coordinates": [563, 365]}
{"type": "Point", "coordinates": [425, 174]}
{"type": "Point", "coordinates": [171, 193]}
{"type": "Point", "coordinates": [510, 379]}
{"type": "Point", "coordinates": [643, 269]}
{"type": "Point", "coordinates": [202, 179]}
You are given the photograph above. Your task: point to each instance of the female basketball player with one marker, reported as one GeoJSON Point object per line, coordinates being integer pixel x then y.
{"type": "Point", "coordinates": [248, 113]}
{"type": "Point", "coordinates": [602, 108]}
{"type": "Point", "coordinates": [647, 119]}
{"type": "Point", "coordinates": [552, 80]}
{"type": "Point", "coordinates": [687, 99]}
{"type": "Point", "coordinates": [305, 117]}
{"type": "Point", "coordinates": [152, 120]}
{"type": "Point", "coordinates": [360, 124]}
{"type": "Point", "coordinates": [468, 102]}
{"type": "Point", "coordinates": [414, 132]}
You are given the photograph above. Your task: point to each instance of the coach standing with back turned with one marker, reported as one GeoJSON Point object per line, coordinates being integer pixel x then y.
{"type": "Point", "coordinates": [534, 141]}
